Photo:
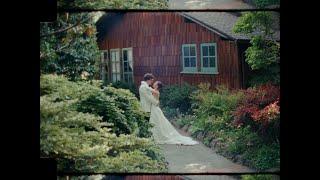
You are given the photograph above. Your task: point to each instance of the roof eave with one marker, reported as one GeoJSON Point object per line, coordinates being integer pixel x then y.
{"type": "Point", "coordinates": [224, 35]}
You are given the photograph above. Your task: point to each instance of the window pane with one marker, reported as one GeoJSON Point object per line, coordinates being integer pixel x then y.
{"type": "Point", "coordinates": [118, 66]}
{"type": "Point", "coordinates": [193, 62]}
{"type": "Point", "coordinates": [130, 55]}
{"type": "Point", "coordinates": [205, 62]}
{"type": "Point", "coordinates": [205, 50]}
{"type": "Point", "coordinates": [186, 51]}
{"type": "Point", "coordinates": [125, 66]}
{"type": "Point", "coordinates": [114, 67]}
{"type": "Point", "coordinates": [118, 77]}
{"type": "Point", "coordinates": [130, 68]}
{"type": "Point", "coordinates": [212, 62]}
{"type": "Point", "coordinates": [130, 78]}
{"type": "Point", "coordinates": [125, 77]}
{"type": "Point", "coordinates": [125, 55]}
{"type": "Point", "coordinates": [114, 78]}
{"type": "Point", "coordinates": [112, 56]}
{"type": "Point", "coordinates": [105, 56]}
{"type": "Point", "coordinates": [212, 51]}
{"type": "Point", "coordinates": [186, 62]}
{"type": "Point", "coordinates": [192, 51]}
{"type": "Point", "coordinates": [116, 56]}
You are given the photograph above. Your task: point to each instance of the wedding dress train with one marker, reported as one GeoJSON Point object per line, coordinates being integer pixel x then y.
{"type": "Point", "coordinates": [164, 132]}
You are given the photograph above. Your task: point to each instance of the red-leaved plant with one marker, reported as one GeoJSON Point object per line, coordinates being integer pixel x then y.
{"type": "Point", "coordinates": [267, 114]}
{"type": "Point", "coordinates": [259, 108]}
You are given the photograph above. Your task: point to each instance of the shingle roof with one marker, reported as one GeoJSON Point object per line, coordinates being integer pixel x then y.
{"type": "Point", "coordinates": [221, 23]}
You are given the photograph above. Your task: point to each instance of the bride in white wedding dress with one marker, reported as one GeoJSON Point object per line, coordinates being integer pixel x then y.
{"type": "Point", "coordinates": [163, 131]}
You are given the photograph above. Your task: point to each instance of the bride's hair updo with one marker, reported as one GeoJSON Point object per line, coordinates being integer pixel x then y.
{"type": "Point", "coordinates": [160, 85]}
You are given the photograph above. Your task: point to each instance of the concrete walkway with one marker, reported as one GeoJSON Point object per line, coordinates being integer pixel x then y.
{"type": "Point", "coordinates": [200, 159]}
{"type": "Point", "coordinates": [208, 4]}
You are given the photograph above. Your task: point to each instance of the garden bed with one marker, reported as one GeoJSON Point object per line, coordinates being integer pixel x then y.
{"type": "Point", "coordinates": [241, 125]}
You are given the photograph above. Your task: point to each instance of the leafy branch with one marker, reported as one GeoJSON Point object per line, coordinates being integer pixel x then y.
{"type": "Point", "coordinates": [43, 55]}
{"type": "Point", "coordinates": [79, 22]}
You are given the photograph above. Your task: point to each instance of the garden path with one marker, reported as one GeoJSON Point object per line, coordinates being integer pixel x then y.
{"type": "Point", "coordinates": [199, 159]}
{"type": "Point", "coordinates": [208, 4]}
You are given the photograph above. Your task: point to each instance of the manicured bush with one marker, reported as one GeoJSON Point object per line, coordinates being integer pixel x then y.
{"type": "Point", "coordinates": [123, 85]}
{"type": "Point", "coordinates": [130, 107]}
{"type": "Point", "coordinates": [117, 106]}
{"type": "Point", "coordinates": [177, 97]}
{"type": "Point", "coordinates": [86, 141]}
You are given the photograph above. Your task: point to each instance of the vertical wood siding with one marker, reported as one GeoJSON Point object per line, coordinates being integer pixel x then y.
{"type": "Point", "coordinates": [156, 39]}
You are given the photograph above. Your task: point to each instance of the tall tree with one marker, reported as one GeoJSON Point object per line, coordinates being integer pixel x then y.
{"type": "Point", "coordinates": [68, 45]}
{"type": "Point", "coordinates": [263, 56]}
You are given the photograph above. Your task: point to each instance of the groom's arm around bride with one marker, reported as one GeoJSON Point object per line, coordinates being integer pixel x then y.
{"type": "Point", "coordinates": [145, 92]}
{"type": "Point", "coordinates": [146, 98]}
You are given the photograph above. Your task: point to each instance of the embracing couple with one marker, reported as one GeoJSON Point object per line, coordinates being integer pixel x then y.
{"type": "Point", "coordinates": [163, 132]}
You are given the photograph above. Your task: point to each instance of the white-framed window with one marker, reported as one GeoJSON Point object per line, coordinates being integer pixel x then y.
{"type": "Point", "coordinates": [115, 65]}
{"type": "Point", "coordinates": [127, 65]}
{"type": "Point", "coordinates": [209, 58]}
{"type": "Point", "coordinates": [104, 65]}
{"type": "Point", "coordinates": [189, 57]}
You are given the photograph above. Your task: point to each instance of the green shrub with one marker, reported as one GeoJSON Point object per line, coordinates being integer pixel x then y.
{"type": "Point", "coordinates": [123, 85]}
{"type": "Point", "coordinates": [130, 106]}
{"type": "Point", "coordinates": [114, 4]}
{"type": "Point", "coordinates": [106, 107]}
{"type": "Point", "coordinates": [170, 113]}
{"type": "Point", "coordinates": [215, 103]}
{"type": "Point", "coordinates": [265, 156]}
{"type": "Point", "coordinates": [259, 177]}
{"type": "Point", "coordinates": [264, 3]}
{"type": "Point", "coordinates": [84, 141]}
{"type": "Point", "coordinates": [117, 106]}
{"type": "Point", "coordinates": [241, 140]}
{"type": "Point", "coordinates": [213, 118]}
{"type": "Point", "coordinates": [213, 109]}
{"type": "Point", "coordinates": [177, 97]}
{"type": "Point", "coordinates": [186, 120]}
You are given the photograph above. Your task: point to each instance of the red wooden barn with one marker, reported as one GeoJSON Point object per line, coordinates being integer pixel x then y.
{"type": "Point", "coordinates": [176, 47]}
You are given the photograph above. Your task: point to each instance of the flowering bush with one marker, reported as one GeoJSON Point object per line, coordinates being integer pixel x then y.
{"type": "Point", "coordinates": [260, 109]}
{"type": "Point", "coordinates": [267, 114]}
{"type": "Point", "coordinates": [241, 124]}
